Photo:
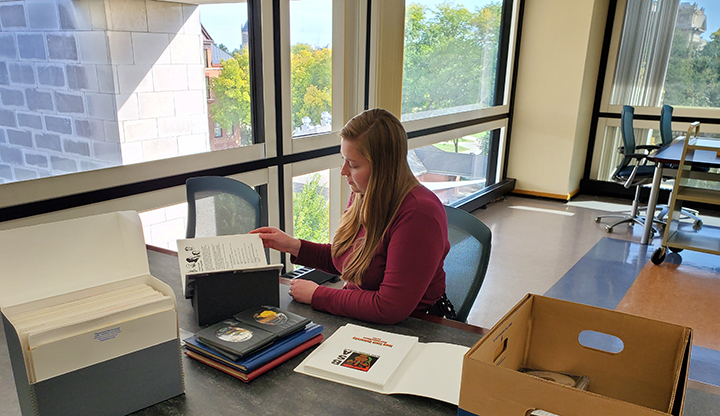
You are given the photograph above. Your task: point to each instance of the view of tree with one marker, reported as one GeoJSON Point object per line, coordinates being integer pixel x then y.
{"type": "Point", "coordinates": [693, 74]}
{"type": "Point", "coordinates": [311, 215]}
{"type": "Point", "coordinates": [232, 94]}
{"type": "Point", "coordinates": [311, 87]}
{"type": "Point", "coordinates": [311, 72]}
{"type": "Point", "coordinates": [450, 56]}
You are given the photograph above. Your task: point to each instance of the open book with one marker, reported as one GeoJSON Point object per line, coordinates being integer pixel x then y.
{"type": "Point", "coordinates": [198, 256]}
{"type": "Point", "coordinates": [388, 363]}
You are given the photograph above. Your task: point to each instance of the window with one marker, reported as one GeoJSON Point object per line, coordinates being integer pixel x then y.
{"type": "Point", "coordinates": [229, 69]}
{"type": "Point", "coordinates": [669, 55]}
{"type": "Point", "coordinates": [451, 57]}
{"type": "Point", "coordinates": [668, 52]}
{"type": "Point", "coordinates": [311, 208]}
{"type": "Point", "coordinates": [125, 86]}
{"type": "Point", "coordinates": [455, 168]}
{"type": "Point", "coordinates": [692, 77]}
{"type": "Point", "coordinates": [182, 73]}
{"type": "Point", "coordinates": [311, 66]}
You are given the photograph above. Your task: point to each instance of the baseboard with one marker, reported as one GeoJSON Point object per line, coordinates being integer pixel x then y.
{"type": "Point", "coordinates": [564, 197]}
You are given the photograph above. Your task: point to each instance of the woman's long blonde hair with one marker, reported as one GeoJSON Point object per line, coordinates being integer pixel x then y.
{"type": "Point", "coordinates": [381, 139]}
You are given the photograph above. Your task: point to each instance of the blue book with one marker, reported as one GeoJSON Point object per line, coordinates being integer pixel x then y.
{"type": "Point", "coordinates": [253, 361]}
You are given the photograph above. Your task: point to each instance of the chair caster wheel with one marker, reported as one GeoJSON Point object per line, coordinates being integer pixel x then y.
{"type": "Point", "coordinates": [697, 225]}
{"type": "Point", "coordinates": [597, 219]}
{"type": "Point", "coordinates": [676, 250]}
{"type": "Point", "coordinates": [608, 229]}
{"type": "Point", "coordinates": [658, 256]}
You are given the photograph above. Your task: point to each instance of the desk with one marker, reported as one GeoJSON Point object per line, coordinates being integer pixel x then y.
{"type": "Point", "coordinates": [280, 391]}
{"type": "Point", "coordinates": [671, 154]}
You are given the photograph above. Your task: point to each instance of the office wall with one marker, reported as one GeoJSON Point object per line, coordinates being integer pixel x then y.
{"type": "Point", "coordinates": [557, 75]}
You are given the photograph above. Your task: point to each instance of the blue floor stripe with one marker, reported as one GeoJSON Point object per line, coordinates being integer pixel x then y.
{"type": "Point", "coordinates": [603, 276]}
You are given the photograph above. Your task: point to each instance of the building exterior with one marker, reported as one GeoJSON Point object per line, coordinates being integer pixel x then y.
{"type": "Point", "coordinates": [692, 23]}
{"type": "Point", "coordinates": [220, 138]}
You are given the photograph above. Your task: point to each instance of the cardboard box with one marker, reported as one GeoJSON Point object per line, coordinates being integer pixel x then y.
{"type": "Point", "coordinates": [637, 366]}
{"type": "Point", "coordinates": [94, 370]}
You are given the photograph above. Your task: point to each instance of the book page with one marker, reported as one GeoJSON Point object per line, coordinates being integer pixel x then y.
{"type": "Point", "coordinates": [432, 370]}
{"type": "Point", "coordinates": [223, 253]}
{"type": "Point", "coordinates": [360, 355]}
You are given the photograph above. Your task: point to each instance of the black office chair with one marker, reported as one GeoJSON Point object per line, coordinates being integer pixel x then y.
{"type": "Point", "coordinates": [667, 138]}
{"type": "Point", "coordinates": [467, 260]}
{"type": "Point", "coordinates": [631, 172]}
{"type": "Point", "coordinates": [221, 206]}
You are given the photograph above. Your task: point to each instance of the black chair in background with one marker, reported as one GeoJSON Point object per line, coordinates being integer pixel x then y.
{"type": "Point", "coordinates": [221, 206]}
{"type": "Point", "coordinates": [467, 260]}
{"type": "Point", "coordinates": [631, 172]}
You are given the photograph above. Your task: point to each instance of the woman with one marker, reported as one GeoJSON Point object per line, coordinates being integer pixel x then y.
{"type": "Point", "coordinates": [392, 239]}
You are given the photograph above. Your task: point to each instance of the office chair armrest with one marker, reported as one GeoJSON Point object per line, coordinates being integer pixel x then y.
{"type": "Point", "coordinates": [638, 156]}
{"type": "Point", "coordinates": [631, 178]}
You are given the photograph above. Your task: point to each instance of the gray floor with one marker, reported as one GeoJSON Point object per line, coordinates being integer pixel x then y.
{"type": "Point", "coordinates": [536, 241]}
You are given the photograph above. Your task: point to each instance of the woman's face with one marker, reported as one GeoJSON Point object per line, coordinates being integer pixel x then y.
{"type": "Point", "coordinates": [355, 168]}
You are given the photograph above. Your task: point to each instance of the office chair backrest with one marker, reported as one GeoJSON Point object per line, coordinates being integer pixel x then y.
{"type": "Point", "coordinates": [221, 206]}
{"type": "Point", "coordinates": [666, 124]}
{"type": "Point", "coordinates": [628, 136]}
{"type": "Point", "coordinates": [467, 260]}
{"type": "Point", "coordinates": [626, 128]}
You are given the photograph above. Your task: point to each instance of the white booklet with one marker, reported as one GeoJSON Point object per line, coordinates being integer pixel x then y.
{"type": "Point", "coordinates": [388, 363]}
{"type": "Point", "coordinates": [222, 253]}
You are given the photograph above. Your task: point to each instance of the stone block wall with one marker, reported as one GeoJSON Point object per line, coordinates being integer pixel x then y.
{"type": "Point", "coordinates": [87, 84]}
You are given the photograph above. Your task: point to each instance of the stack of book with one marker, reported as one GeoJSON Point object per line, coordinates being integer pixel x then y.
{"type": "Point", "coordinates": [253, 341]}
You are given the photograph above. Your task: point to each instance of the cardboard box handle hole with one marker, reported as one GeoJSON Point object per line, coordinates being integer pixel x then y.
{"type": "Point", "coordinates": [601, 341]}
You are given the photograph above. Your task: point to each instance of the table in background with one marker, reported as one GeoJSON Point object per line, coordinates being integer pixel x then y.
{"type": "Point", "coordinates": [280, 391]}
{"type": "Point", "coordinates": [671, 154]}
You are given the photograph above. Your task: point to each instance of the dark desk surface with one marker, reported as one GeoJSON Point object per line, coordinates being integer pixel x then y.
{"type": "Point", "coordinates": [672, 153]}
{"type": "Point", "coordinates": [280, 391]}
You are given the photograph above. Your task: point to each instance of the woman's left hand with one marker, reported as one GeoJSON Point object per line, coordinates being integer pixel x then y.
{"type": "Point", "coordinates": [302, 290]}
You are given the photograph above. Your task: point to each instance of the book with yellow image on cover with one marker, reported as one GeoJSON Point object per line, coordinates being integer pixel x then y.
{"type": "Point", "coordinates": [272, 319]}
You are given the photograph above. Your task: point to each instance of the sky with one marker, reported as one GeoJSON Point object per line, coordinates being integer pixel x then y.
{"type": "Point", "coordinates": [311, 19]}
{"type": "Point", "coordinates": [310, 22]}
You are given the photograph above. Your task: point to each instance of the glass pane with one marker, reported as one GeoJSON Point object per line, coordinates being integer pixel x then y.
{"type": "Point", "coordinates": [311, 66]}
{"type": "Point", "coordinates": [693, 78]}
{"type": "Point", "coordinates": [311, 208]}
{"type": "Point", "coordinates": [226, 51]}
{"type": "Point", "coordinates": [453, 169]}
{"type": "Point", "coordinates": [669, 54]}
{"type": "Point", "coordinates": [164, 226]}
{"type": "Point", "coordinates": [87, 85]}
{"type": "Point", "coordinates": [451, 51]}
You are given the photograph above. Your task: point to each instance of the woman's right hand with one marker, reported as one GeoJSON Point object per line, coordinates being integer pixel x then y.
{"type": "Point", "coordinates": [278, 240]}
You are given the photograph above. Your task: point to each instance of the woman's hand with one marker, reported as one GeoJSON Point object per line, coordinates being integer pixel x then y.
{"type": "Point", "coordinates": [302, 290]}
{"type": "Point", "coordinates": [278, 240]}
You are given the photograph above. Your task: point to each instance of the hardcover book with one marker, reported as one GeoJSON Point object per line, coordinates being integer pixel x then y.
{"type": "Point", "coordinates": [235, 339]}
{"type": "Point", "coordinates": [247, 377]}
{"type": "Point", "coordinates": [256, 360]}
{"type": "Point", "coordinates": [388, 363]}
{"type": "Point", "coordinates": [273, 319]}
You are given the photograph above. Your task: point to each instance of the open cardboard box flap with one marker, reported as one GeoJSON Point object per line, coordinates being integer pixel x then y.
{"type": "Point", "coordinates": [636, 365]}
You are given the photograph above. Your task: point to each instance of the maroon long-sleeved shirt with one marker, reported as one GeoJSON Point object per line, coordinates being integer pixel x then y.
{"type": "Point", "coordinates": [406, 274]}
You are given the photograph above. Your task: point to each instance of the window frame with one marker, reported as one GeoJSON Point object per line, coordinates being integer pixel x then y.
{"type": "Point", "coordinates": [275, 157]}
